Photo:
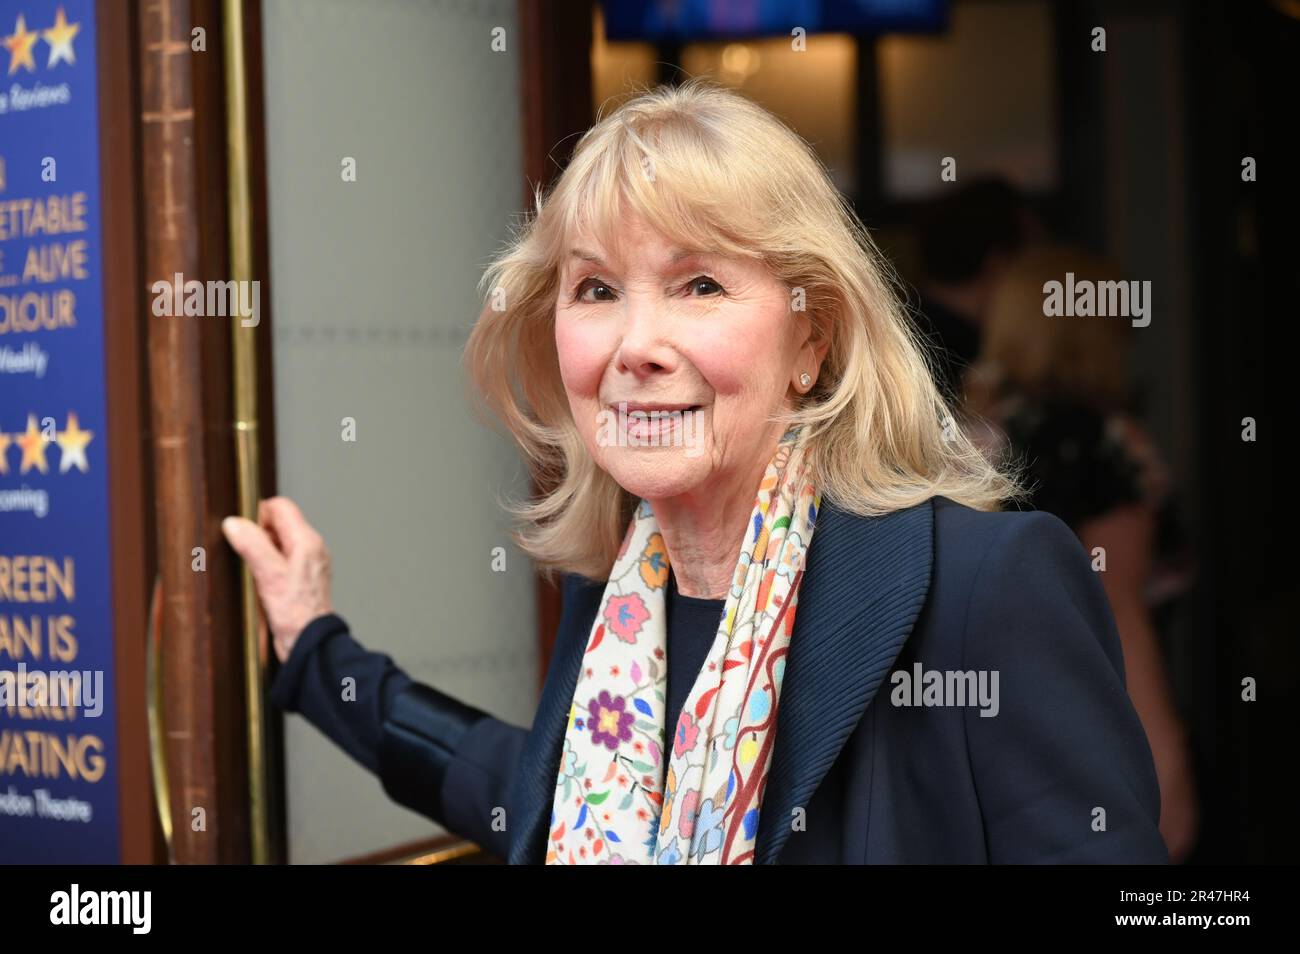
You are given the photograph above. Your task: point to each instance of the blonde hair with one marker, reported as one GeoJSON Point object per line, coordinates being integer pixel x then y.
{"type": "Point", "coordinates": [716, 172]}
{"type": "Point", "coordinates": [1022, 350]}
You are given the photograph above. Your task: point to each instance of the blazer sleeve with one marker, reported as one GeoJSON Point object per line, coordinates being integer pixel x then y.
{"type": "Point", "coordinates": [1066, 743]}
{"type": "Point", "coordinates": [451, 762]}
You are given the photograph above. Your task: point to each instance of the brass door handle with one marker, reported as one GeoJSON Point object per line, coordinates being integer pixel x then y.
{"type": "Point", "coordinates": [154, 707]}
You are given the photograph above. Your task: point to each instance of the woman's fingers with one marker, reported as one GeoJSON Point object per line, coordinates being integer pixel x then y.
{"type": "Point", "coordinates": [285, 522]}
{"type": "Point", "coordinates": [290, 565]}
{"type": "Point", "coordinates": [252, 544]}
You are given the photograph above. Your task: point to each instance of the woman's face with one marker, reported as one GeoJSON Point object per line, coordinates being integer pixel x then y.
{"type": "Point", "coordinates": [710, 343]}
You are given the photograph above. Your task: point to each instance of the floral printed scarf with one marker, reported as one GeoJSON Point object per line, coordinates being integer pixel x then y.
{"type": "Point", "coordinates": [616, 802]}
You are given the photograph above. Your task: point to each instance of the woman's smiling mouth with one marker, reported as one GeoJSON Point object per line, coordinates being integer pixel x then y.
{"type": "Point", "coordinates": [645, 407]}
{"type": "Point", "coordinates": [650, 424]}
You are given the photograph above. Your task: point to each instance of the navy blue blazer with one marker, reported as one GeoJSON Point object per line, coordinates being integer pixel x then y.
{"type": "Point", "coordinates": [1061, 774]}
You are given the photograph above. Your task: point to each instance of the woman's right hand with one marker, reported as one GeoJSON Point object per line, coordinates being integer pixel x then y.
{"type": "Point", "coordinates": [290, 565]}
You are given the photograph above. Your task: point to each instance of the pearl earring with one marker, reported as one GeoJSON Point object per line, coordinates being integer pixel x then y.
{"type": "Point", "coordinates": [804, 379]}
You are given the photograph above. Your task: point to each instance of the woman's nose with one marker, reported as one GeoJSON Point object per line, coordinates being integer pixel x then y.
{"type": "Point", "coordinates": [644, 347]}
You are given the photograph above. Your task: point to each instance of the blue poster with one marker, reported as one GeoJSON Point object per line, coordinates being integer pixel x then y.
{"type": "Point", "coordinates": [58, 723]}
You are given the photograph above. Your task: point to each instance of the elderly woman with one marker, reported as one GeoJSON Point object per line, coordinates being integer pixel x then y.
{"type": "Point", "coordinates": [762, 511]}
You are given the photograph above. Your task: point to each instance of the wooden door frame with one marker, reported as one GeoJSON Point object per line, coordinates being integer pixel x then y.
{"type": "Point", "coordinates": [555, 108]}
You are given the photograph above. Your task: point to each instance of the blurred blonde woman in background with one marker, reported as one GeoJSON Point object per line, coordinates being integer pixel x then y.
{"type": "Point", "coordinates": [1054, 393]}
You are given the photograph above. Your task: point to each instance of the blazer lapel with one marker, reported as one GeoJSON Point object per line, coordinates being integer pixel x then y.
{"type": "Point", "coordinates": [865, 582]}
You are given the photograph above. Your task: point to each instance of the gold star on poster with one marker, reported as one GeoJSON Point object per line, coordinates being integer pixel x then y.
{"type": "Point", "coordinates": [19, 44]}
{"type": "Point", "coordinates": [59, 37]}
{"type": "Point", "coordinates": [4, 447]}
{"type": "Point", "coordinates": [33, 445]}
{"type": "Point", "coordinates": [73, 443]}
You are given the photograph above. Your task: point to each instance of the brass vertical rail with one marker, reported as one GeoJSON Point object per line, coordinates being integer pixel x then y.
{"type": "Point", "coordinates": [244, 346]}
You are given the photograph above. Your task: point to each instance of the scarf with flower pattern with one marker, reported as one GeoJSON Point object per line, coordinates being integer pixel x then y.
{"type": "Point", "coordinates": [616, 801]}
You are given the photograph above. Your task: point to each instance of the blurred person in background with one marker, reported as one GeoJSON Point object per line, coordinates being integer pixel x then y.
{"type": "Point", "coordinates": [1054, 392]}
{"type": "Point", "coordinates": [966, 240]}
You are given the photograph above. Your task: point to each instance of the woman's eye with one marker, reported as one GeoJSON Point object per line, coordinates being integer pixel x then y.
{"type": "Point", "coordinates": [593, 284]}
{"type": "Point", "coordinates": [593, 290]}
{"type": "Point", "coordinates": [705, 286]}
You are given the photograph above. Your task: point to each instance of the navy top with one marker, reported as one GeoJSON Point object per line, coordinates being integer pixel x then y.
{"type": "Point", "coordinates": [325, 653]}
{"type": "Point", "coordinates": [692, 626]}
